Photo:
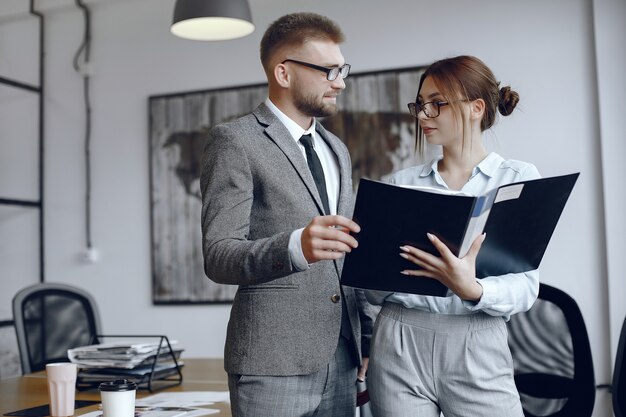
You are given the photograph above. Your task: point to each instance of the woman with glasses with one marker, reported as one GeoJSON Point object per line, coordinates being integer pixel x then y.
{"type": "Point", "coordinates": [450, 354]}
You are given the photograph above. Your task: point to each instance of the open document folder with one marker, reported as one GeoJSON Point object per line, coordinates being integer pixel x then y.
{"type": "Point", "coordinates": [519, 220]}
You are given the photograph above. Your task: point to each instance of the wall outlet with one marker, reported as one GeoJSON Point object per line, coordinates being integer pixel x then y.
{"type": "Point", "coordinates": [90, 255]}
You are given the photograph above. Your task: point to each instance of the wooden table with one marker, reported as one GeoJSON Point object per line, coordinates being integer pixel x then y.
{"type": "Point", "coordinates": [31, 390]}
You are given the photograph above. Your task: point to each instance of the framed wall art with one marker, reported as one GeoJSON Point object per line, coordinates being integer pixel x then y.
{"type": "Point", "coordinates": [373, 121]}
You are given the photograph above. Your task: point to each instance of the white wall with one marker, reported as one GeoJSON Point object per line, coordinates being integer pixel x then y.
{"type": "Point", "coordinates": [610, 30]}
{"type": "Point", "coordinates": [551, 52]}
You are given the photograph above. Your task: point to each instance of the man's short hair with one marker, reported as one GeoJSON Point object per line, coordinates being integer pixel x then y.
{"type": "Point", "coordinates": [294, 30]}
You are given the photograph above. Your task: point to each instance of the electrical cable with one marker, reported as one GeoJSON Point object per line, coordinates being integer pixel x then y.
{"type": "Point", "coordinates": [85, 49]}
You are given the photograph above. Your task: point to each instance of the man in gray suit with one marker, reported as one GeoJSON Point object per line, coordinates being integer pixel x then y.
{"type": "Point", "coordinates": [276, 192]}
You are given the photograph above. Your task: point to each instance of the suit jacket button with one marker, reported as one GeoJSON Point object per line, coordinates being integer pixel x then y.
{"type": "Point", "coordinates": [277, 266]}
{"type": "Point", "coordinates": [335, 298]}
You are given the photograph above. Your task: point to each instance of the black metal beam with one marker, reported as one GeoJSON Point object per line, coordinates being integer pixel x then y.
{"type": "Point", "coordinates": [40, 91]}
{"type": "Point", "coordinates": [19, 84]}
{"type": "Point", "coordinates": [24, 203]}
{"type": "Point", "coordinates": [42, 55]}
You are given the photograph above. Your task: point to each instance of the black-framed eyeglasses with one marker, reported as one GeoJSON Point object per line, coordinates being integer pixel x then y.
{"type": "Point", "coordinates": [430, 109]}
{"type": "Point", "coordinates": [331, 72]}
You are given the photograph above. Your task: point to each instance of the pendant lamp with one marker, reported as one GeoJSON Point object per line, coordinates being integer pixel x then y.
{"type": "Point", "coordinates": [212, 20]}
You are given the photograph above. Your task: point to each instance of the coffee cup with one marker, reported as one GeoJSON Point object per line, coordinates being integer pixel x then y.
{"type": "Point", "coordinates": [118, 398]}
{"type": "Point", "coordinates": [61, 388]}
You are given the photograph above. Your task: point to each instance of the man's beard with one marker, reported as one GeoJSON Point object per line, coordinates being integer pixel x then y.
{"type": "Point", "coordinates": [310, 105]}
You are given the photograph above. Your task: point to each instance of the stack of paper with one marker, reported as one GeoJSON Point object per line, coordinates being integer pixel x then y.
{"type": "Point", "coordinates": [140, 362]}
{"type": "Point", "coordinates": [121, 354]}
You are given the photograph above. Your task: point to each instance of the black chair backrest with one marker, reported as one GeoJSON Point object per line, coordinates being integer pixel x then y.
{"type": "Point", "coordinates": [50, 319]}
{"type": "Point", "coordinates": [619, 376]}
{"type": "Point", "coordinates": [552, 357]}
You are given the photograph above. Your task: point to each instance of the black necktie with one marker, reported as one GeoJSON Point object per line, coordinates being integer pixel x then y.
{"type": "Point", "coordinates": [316, 169]}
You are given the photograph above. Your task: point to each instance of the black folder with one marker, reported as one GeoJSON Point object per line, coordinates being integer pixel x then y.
{"type": "Point", "coordinates": [519, 220]}
{"type": "Point", "coordinates": [44, 410]}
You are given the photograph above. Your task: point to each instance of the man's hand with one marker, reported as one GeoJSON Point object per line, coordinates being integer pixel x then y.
{"type": "Point", "coordinates": [363, 370]}
{"type": "Point", "coordinates": [328, 237]}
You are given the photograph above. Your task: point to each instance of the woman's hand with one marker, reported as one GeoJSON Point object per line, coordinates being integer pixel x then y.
{"type": "Point", "coordinates": [458, 274]}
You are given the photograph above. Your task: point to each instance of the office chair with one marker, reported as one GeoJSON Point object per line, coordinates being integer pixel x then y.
{"type": "Point", "coordinates": [552, 357]}
{"type": "Point", "coordinates": [50, 319]}
{"type": "Point", "coordinates": [618, 388]}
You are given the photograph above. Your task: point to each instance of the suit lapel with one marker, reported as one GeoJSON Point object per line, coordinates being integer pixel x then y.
{"type": "Point", "coordinates": [345, 170]}
{"type": "Point", "coordinates": [279, 134]}
{"type": "Point", "coordinates": [345, 180]}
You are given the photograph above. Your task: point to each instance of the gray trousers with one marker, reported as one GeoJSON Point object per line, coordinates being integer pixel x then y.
{"type": "Point", "coordinates": [330, 392]}
{"type": "Point", "coordinates": [422, 364]}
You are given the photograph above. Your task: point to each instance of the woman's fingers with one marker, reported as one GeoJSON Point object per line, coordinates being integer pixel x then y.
{"type": "Point", "coordinates": [419, 273]}
{"type": "Point", "coordinates": [421, 258]}
{"type": "Point", "coordinates": [476, 245]}
{"type": "Point", "coordinates": [443, 250]}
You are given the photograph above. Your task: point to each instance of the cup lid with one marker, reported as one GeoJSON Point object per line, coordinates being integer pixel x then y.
{"type": "Point", "coordinates": [118, 385]}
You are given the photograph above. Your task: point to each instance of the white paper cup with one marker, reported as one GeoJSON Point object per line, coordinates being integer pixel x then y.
{"type": "Point", "coordinates": [118, 398]}
{"type": "Point", "coordinates": [61, 388]}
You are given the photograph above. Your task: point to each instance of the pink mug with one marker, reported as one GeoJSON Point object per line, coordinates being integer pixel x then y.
{"type": "Point", "coordinates": [61, 388]}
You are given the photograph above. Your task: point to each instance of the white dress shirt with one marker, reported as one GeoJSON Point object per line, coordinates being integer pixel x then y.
{"type": "Point", "coordinates": [330, 165]}
{"type": "Point", "coordinates": [502, 295]}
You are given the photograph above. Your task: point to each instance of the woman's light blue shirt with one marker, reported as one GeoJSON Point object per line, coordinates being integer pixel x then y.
{"type": "Point", "coordinates": [502, 295]}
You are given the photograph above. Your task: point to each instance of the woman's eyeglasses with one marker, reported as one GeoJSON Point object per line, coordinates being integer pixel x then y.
{"type": "Point", "coordinates": [430, 109]}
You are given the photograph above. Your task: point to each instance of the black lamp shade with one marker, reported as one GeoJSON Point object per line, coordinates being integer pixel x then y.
{"type": "Point", "coordinates": [212, 19]}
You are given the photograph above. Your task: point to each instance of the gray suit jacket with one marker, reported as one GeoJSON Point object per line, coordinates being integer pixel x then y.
{"type": "Point", "coordinates": [257, 189]}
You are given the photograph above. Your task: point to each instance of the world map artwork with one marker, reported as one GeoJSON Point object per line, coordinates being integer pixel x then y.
{"type": "Point", "coordinates": [371, 157]}
{"type": "Point", "coordinates": [189, 155]}
{"type": "Point", "coordinates": [373, 122]}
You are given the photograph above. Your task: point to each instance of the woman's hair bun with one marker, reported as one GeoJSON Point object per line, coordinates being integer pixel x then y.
{"type": "Point", "coordinates": [507, 101]}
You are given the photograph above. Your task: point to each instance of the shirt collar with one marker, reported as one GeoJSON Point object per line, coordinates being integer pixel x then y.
{"type": "Point", "coordinates": [430, 169]}
{"type": "Point", "coordinates": [294, 128]}
{"type": "Point", "coordinates": [487, 166]}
